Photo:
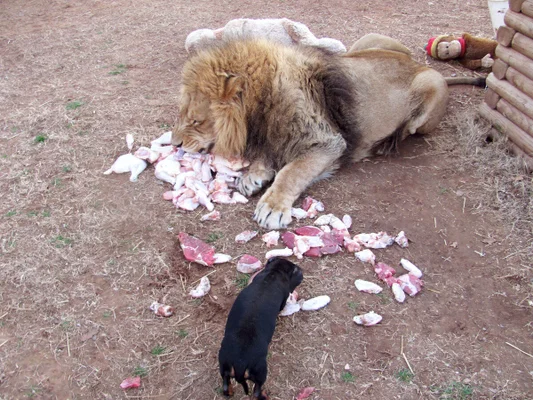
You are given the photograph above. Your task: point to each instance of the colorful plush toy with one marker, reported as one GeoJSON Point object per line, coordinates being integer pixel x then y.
{"type": "Point", "coordinates": [471, 51]}
{"type": "Point", "coordinates": [282, 30]}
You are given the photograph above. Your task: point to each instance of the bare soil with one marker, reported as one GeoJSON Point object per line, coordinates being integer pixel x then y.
{"type": "Point", "coordinates": [83, 255]}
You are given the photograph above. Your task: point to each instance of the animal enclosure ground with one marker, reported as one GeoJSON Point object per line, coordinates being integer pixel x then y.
{"type": "Point", "coordinates": [83, 255]}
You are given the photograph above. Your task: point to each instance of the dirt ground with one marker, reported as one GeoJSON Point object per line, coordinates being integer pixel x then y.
{"type": "Point", "coordinates": [83, 255]}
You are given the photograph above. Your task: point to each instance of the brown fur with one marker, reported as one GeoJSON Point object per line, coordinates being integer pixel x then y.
{"type": "Point", "coordinates": [297, 113]}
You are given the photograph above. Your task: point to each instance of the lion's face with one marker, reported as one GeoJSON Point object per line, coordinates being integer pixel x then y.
{"type": "Point", "coordinates": [195, 130]}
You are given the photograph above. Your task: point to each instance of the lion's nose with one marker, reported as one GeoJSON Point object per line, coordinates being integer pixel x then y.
{"type": "Point", "coordinates": [176, 141]}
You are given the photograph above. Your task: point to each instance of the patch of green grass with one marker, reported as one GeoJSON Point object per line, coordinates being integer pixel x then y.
{"type": "Point", "coordinates": [140, 371]}
{"type": "Point", "coordinates": [33, 391]}
{"type": "Point", "coordinates": [73, 105]}
{"type": "Point", "coordinates": [241, 280]}
{"type": "Point", "coordinates": [107, 314]}
{"type": "Point", "coordinates": [443, 190]}
{"type": "Point", "coordinates": [66, 325]}
{"type": "Point", "coordinates": [197, 302]}
{"type": "Point", "coordinates": [119, 69]}
{"type": "Point", "coordinates": [125, 82]}
{"type": "Point", "coordinates": [385, 299]}
{"type": "Point", "coordinates": [56, 182]}
{"type": "Point", "coordinates": [39, 139]}
{"type": "Point", "coordinates": [14, 129]}
{"type": "Point", "coordinates": [182, 333]}
{"type": "Point", "coordinates": [32, 213]}
{"type": "Point", "coordinates": [46, 213]}
{"type": "Point", "coordinates": [83, 133]}
{"type": "Point", "coordinates": [164, 126]}
{"type": "Point", "coordinates": [353, 305]}
{"type": "Point", "coordinates": [405, 375]}
{"type": "Point", "coordinates": [11, 213]}
{"type": "Point", "coordinates": [347, 377]}
{"type": "Point", "coordinates": [67, 168]}
{"type": "Point", "coordinates": [60, 241]}
{"type": "Point", "coordinates": [214, 236]}
{"type": "Point", "coordinates": [455, 390]}
{"type": "Point", "coordinates": [4, 156]}
{"type": "Point", "coordinates": [157, 350]}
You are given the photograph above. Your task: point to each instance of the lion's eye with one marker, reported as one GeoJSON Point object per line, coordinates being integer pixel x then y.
{"type": "Point", "coordinates": [195, 122]}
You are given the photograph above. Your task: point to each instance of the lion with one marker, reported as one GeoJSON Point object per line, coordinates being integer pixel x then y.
{"type": "Point", "coordinates": [299, 113]}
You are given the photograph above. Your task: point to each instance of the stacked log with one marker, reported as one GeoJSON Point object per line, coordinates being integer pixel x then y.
{"type": "Point", "coordinates": [508, 104]}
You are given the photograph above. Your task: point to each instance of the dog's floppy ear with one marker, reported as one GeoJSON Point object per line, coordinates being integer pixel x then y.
{"type": "Point", "coordinates": [230, 116]}
{"type": "Point", "coordinates": [297, 276]}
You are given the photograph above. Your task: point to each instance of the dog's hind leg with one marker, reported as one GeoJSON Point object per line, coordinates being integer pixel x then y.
{"type": "Point", "coordinates": [227, 387]}
{"type": "Point", "coordinates": [258, 376]}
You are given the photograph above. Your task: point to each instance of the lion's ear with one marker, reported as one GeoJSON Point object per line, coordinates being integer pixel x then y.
{"type": "Point", "coordinates": [231, 85]}
{"type": "Point", "coordinates": [230, 128]}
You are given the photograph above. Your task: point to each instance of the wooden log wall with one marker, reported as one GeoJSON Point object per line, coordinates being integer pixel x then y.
{"type": "Point", "coordinates": [508, 104]}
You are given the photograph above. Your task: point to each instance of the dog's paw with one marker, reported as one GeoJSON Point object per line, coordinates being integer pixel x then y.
{"type": "Point", "coordinates": [273, 212]}
{"type": "Point", "coordinates": [262, 396]}
{"type": "Point", "coordinates": [229, 391]}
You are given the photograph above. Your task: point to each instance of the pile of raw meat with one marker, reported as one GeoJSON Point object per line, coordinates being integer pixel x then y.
{"type": "Point", "coordinates": [197, 179]}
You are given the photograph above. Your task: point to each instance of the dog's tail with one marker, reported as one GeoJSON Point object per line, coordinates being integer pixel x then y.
{"type": "Point", "coordinates": [241, 376]}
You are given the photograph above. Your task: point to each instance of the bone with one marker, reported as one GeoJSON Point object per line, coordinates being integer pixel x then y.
{"type": "Point", "coordinates": [161, 309]}
{"type": "Point", "coordinates": [366, 256]}
{"type": "Point", "coordinates": [367, 287]}
{"type": "Point", "coordinates": [402, 240]}
{"type": "Point", "coordinates": [245, 236]}
{"type": "Point", "coordinates": [378, 240]}
{"type": "Point", "coordinates": [286, 252]}
{"type": "Point", "coordinates": [146, 154]}
{"type": "Point", "coordinates": [271, 238]}
{"type": "Point", "coordinates": [164, 139]}
{"type": "Point", "coordinates": [316, 303]}
{"type": "Point", "coordinates": [368, 319]}
{"type": "Point", "coordinates": [212, 216]}
{"type": "Point", "coordinates": [397, 291]}
{"type": "Point", "coordinates": [410, 284]}
{"type": "Point", "coordinates": [129, 141]}
{"type": "Point", "coordinates": [202, 289]}
{"type": "Point", "coordinates": [409, 266]}
{"type": "Point", "coordinates": [128, 163]}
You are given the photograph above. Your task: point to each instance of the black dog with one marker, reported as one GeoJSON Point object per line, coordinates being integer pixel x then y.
{"type": "Point", "coordinates": [251, 324]}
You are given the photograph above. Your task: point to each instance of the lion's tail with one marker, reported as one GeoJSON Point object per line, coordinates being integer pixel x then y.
{"type": "Point", "coordinates": [466, 80]}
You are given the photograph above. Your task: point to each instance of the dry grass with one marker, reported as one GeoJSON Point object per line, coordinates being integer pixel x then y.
{"type": "Point", "coordinates": [500, 185]}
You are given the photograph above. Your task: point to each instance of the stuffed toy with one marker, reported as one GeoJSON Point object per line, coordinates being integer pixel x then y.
{"type": "Point", "coordinates": [471, 51]}
{"type": "Point", "coordinates": [282, 31]}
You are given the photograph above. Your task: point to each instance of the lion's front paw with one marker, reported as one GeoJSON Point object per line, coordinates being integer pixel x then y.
{"type": "Point", "coordinates": [250, 184]}
{"type": "Point", "coordinates": [273, 212]}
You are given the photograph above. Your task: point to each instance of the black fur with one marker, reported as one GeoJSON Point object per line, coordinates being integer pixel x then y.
{"type": "Point", "coordinates": [251, 324]}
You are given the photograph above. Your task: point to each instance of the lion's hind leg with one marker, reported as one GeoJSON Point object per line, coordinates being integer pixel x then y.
{"type": "Point", "coordinates": [428, 100]}
{"type": "Point", "coordinates": [377, 41]}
